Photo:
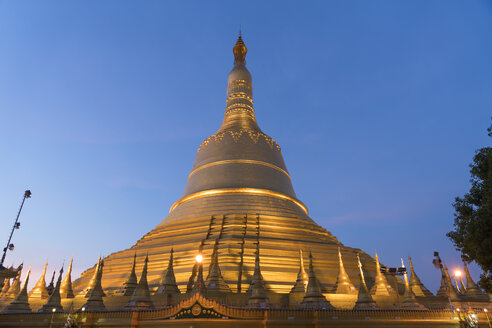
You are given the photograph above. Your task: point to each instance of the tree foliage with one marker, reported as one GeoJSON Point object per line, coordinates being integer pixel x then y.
{"type": "Point", "coordinates": [472, 234]}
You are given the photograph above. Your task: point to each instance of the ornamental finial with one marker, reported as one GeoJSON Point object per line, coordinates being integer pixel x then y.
{"type": "Point", "coordinates": [239, 50]}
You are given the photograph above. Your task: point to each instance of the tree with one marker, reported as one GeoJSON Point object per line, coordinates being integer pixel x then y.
{"type": "Point", "coordinates": [472, 234]}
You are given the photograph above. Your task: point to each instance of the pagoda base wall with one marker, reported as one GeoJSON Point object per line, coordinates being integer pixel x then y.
{"type": "Point", "coordinates": [252, 318]}
{"type": "Point", "coordinates": [229, 310]}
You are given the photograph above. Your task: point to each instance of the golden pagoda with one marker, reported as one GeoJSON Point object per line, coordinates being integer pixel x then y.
{"type": "Point", "coordinates": [240, 221]}
{"type": "Point", "coordinates": [238, 192]}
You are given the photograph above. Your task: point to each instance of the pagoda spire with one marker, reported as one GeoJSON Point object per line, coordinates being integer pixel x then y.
{"type": "Point", "coordinates": [66, 290]}
{"type": "Point", "coordinates": [453, 294]}
{"type": "Point", "coordinates": [381, 286]}
{"type": "Point", "coordinates": [215, 282]}
{"type": "Point", "coordinates": [344, 285]}
{"type": "Point", "coordinates": [191, 281]}
{"type": "Point", "coordinates": [51, 285]}
{"type": "Point", "coordinates": [39, 291]}
{"type": "Point", "coordinates": [54, 302]}
{"type": "Point", "coordinates": [240, 51]}
{"type": "Point", "coordinates": [131, 283]}
{"type": "Point", "coordinates": [258, 296]}
{"type": "Point", "coordinates": [20, 304]}
{"type": "Point", "coordinates": [168, 282]}
{"type": "Point", "coordinates": [416, 285]}
{"type": "Point", "coordinates": [302, 277]}
{"type": "Point", "coordinates": [93, 280]}
{"type": "Point", "coordinates": [299, 289]}
{"type": "Point", "coordinates": [472, 291]}
{"type": "Point", "coordinates": [95, 294]}
{"type": "Point", "coordinates": [141, 296]}
{"type": "Point", "coordinates": [198, 284]}
{"type": "Point", "coordinates": [409, 300]}
{"type": "Point", "coordinates": [314, 298]}
{"type": "Point", "coordinates": [442, 288]}
{"type": "Point", "coordinates": [462, 287]}
{"type": "Point", "coordinates": [364, 298]}
{"type": "Point", "coordinates": [470, 284]}
{"type": "Point", "coordinates": [239, 113]}
{"type": "Point", "coordinates": [15, 288]}
{"type": "Point", "coordinates": [6, 286]}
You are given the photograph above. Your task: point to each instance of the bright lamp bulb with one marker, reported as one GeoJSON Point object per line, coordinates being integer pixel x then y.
{"type": "Point", "coordinates": [457, 273]}
{"type": "Point", "coordinates": [199, 258]}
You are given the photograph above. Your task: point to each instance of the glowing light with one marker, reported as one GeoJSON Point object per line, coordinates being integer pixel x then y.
{"type": "Point", "coordinates": [83, 309]}
{"type": "Point", "coordinates": [485, 310]}
{"type": "Point", "coordinates": [254, 191]}
{"type": "Point", "coordinates": [199, 258]}
{"type": "Point", "coordinates": [457, 273]}
{"type": "Point", "coordinates": [54, 310]}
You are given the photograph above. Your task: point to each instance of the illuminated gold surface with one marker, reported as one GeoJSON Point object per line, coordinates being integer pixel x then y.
{"type": "Point", "coordinates": [208, 193]}
{"type": "Point", "coordinates": [236, 134]}
{"type": "Point", "coordinates": [239, 161]}
{"type": "Point", "coordinates": [240, 51]}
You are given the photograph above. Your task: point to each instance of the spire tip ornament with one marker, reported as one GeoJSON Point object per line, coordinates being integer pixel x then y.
{"type": "Point", "coordinates": [239, 50]}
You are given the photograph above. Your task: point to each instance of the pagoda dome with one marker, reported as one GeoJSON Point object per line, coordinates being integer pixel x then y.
{"type": "Point", "coordinates": [239, 158]}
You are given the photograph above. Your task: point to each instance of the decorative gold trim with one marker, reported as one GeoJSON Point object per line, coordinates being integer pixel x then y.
{"type": "Point", "coordinates": [240, 81]}
{"type": "Point", "coordinates": [241, 106]}
{"type": "Point", "coordinates": [212, 192]}
{"type": "Point", "coordinates": [236, 134]}
{"type": "Point", "coordinates": [240, 161]}
{"type": "Point", "coordinates": [239, 95]}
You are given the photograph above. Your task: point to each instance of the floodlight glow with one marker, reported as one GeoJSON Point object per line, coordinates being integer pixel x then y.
{"type": "Point", "coordinates": [457, 273]}
{"type": "Point", "coordinates": [199, 258]}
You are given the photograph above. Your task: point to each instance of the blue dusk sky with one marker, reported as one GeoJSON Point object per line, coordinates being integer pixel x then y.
{"type": "Point", "coordinates": [378, 106]}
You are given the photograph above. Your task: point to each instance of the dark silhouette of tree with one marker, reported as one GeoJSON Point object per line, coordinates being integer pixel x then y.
{"type": "Point", "coordinates": [472, 234]}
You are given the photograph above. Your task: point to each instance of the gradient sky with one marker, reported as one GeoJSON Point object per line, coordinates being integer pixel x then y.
{"type": "Point", "coordinates": [378, 106]}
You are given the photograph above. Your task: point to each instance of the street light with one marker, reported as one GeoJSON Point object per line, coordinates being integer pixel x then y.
{"type": "Point", "coordinates": [81, 316]}
{"type": "Point", "coordinates": [27, 194]}
{"type": "Point", "coordinates": [52, 316]}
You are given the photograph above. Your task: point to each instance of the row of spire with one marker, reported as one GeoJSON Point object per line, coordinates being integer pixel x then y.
{"type": "Point", "coordinates": [306, 289]}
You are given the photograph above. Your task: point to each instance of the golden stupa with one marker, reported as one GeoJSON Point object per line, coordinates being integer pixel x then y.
{"type": "Point", "coordinates": [234, 247]}
{"type": "Point", "coordinates": [239, 193]}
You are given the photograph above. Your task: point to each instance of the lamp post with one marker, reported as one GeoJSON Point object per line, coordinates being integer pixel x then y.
{"type": "Point", "coordinates": [27, 194]}
{"type": "Point", "coordinates": [52, 317]}
{"type": "Point", "coordinates": [82, 315]}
